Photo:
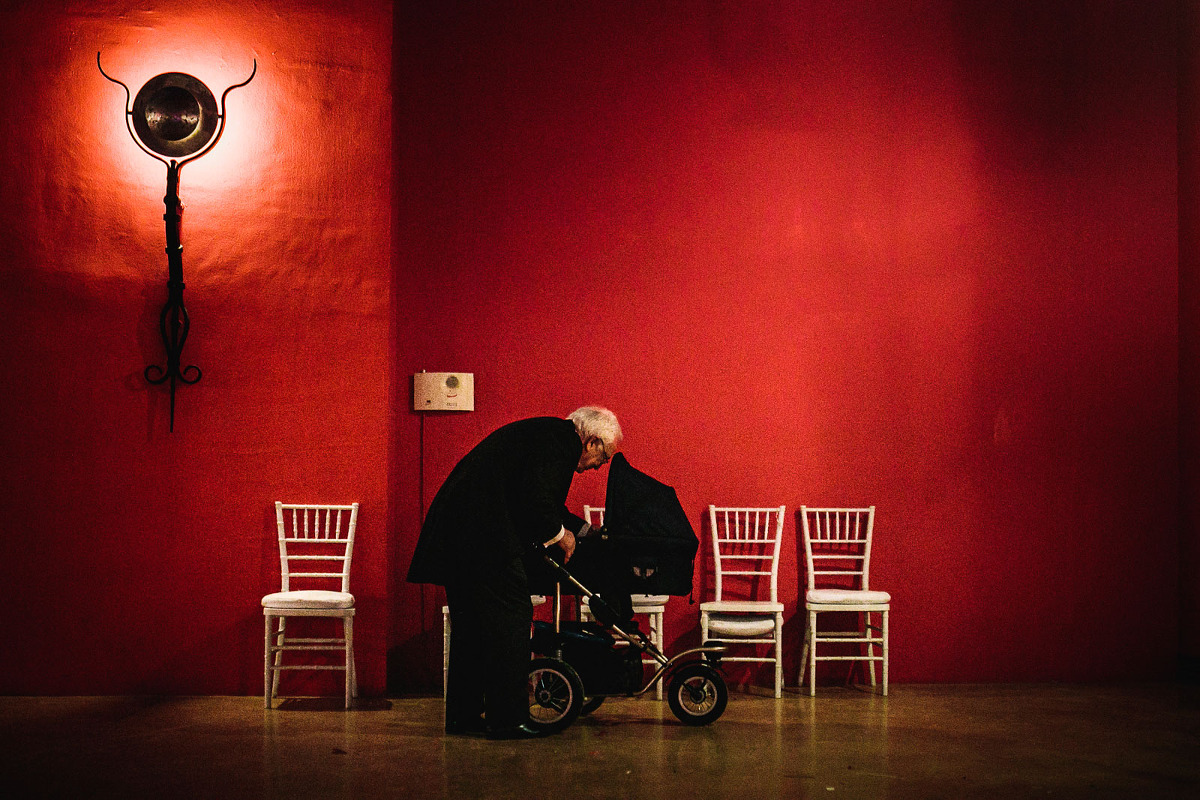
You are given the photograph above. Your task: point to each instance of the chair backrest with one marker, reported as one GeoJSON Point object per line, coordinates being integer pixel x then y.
{"type": "Point", "coordinates": [745, 548]}
{"type": "Point", "coordinates": [320, 535]}
{"type": "Point", "coordinates": [837, 545]}
{"type": "Point", "coordinates": [594, 515]}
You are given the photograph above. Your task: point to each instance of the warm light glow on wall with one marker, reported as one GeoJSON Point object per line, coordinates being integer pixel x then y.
{"type": "Point", "coordinates": [244, 141]}
{"type": "Point", "coordinates": [217, 57]}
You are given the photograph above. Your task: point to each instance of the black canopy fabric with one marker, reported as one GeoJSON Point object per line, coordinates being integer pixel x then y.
{"type": "Point", "coordinates": [651, 533]}
{"type": "Point", "coordinates": [650, 546]}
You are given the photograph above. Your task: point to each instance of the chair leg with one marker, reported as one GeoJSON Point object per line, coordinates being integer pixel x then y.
{"type": "Point", "coordinates": [884, 625]}
{"type": "Point", "coordinates": [778, 656]}
{"type": "Point", "coordinates": [280, 639]}
{"type": "Point", "coordinates": [348, 631]}
{"type": "Point", "coordinates": [656, 626]}
{"type": "Point", "coordinates": [266, 661]}
{"type": "Point", "coordinates": [812, 654]}
{"type": "Point", "coordinates": [445, 652]}
{"type": "Point", "coordinates": [870, 647]}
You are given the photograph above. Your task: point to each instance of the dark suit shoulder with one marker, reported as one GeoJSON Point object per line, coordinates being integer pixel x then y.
{"type": "Point", "coordinates": [508, 489]}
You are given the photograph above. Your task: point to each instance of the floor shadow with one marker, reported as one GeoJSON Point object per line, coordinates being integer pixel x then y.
{"type": "Point", "coordinates": [333, 704]}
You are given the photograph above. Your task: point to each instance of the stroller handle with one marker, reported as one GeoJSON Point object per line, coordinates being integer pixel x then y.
{"type": "Point", "coordinates": [564, 574]}
{"type": "Point", "coordinates": [600, 608]}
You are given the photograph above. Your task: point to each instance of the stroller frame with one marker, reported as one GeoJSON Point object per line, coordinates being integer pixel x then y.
{"type": "Point", "coordinates": [696, 691]}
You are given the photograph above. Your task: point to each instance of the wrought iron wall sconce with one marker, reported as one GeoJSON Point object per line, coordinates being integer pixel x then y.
{"type": "Point", "coordinates": [174, 119]}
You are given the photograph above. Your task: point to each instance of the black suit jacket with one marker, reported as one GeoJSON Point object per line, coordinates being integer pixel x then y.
{"type": "Point", "coordinates": [509, 492]}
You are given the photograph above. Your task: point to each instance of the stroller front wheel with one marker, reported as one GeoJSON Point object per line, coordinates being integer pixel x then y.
{"type": "Point", "coordinates": [697, 694]}
{"type": "Point", "coordinates": [555, 694]}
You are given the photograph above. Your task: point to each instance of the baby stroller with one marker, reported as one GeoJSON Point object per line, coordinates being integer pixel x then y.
{"type": "Point", "coordinates": [647, 547]}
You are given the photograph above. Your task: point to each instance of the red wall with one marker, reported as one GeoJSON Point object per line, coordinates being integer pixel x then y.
{"type": "Point", "coordinates": [917, 255]}
{"type": "Point", "coordinates": [134, 558]}
{"type": "Point", "coordinates": [1189, 336]}
{"type": "Point", "coordinates": [921, 256]}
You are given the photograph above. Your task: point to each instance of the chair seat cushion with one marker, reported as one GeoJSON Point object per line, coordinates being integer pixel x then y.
{"type": "Point", "coordinates": [309, 598]}
{"type": "Point", "coordinates": [740, 624]}
{"type": "Point", "coordinates": [741, 607]}
{"type": "Point", "coordinates": [846, 597]}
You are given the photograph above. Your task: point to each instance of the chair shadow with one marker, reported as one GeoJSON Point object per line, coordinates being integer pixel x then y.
{"type": "Point", "coordinates": [333, 704]}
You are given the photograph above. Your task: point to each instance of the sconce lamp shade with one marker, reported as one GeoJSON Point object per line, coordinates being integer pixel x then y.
{"type": "Point", "coordinates": [175, 115]}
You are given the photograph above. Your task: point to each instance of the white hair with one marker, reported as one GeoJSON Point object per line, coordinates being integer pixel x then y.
{"type": "Point", "coordinates": [596, 421]}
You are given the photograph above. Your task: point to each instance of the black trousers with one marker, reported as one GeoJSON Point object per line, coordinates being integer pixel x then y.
{"type": "Point", "coordinates": [490, 618]}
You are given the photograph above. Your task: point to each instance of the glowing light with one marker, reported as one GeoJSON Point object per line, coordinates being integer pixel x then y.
{"type": "Point", "coordinates": [217, 57]}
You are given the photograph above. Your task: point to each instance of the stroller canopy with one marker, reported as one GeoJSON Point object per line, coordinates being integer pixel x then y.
{"type": "Point", "coordinates": [650, 547]}
{"type": "Point", "coordinates": [653, 540]}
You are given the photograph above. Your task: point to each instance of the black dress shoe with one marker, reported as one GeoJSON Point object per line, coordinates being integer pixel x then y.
{"type": "Point", "coordinates": [468, 727]}
{"type": "Point", "coordinates": [517, 732]}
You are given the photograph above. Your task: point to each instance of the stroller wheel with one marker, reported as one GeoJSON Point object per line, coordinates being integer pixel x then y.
{"type": "Point", "coordinates": [555, 694]}
{"type": "Point", "coordinates": [697, 694]}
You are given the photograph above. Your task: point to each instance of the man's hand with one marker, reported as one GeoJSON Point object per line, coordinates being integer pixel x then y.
{"type": "Point", "coordinates": [567, 543]}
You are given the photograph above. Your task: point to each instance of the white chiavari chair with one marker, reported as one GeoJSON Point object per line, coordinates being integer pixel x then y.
{"type": "Point", "coordinates": [320, 539]}
{"type": "Point", "coordinates": [746, 545]}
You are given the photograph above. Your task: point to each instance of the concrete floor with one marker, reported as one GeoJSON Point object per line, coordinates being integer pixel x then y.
{"type": "Point", "coordinates": [921, 742]}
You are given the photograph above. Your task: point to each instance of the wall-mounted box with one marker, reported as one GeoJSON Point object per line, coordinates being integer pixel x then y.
{"type": "Point", "coordinates": [444, 391]}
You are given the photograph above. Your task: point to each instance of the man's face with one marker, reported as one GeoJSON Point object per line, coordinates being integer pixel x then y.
{"type": "Point", "coordinates": [595, 454]}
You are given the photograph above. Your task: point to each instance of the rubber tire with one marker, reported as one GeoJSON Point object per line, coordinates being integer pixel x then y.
{"type": "Point", "coordinates": [554, 687]}
{"type": "Point", "coordinates": [697, 677]}
{"type": "Point", "coordinates": [591, 704]}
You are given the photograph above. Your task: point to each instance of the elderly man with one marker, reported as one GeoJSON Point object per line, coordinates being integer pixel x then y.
{"type": "Point", "coordinates": [505, 496]}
